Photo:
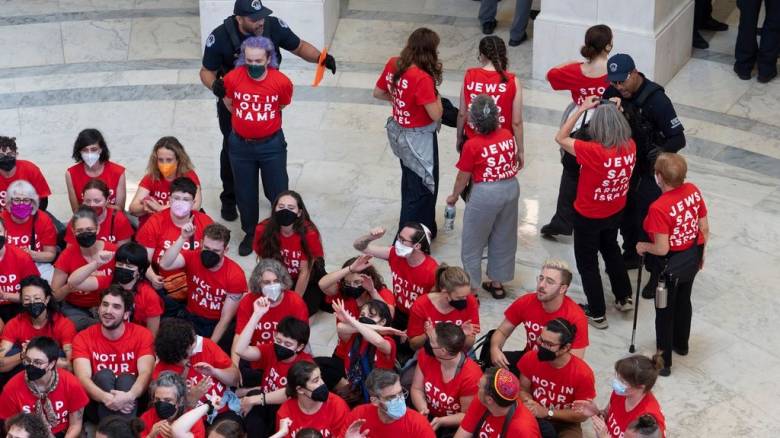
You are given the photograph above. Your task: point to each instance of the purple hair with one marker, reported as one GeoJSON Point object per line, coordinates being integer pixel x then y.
{"type": "Point", "coordinates": [258, 43]}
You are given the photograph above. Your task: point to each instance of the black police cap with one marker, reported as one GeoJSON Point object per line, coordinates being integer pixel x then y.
{"type": "Point", "coordinates": [253, 9]}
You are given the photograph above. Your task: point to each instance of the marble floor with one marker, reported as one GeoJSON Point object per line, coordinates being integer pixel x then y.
{"type": "Point", "coordinates": [129, 68]}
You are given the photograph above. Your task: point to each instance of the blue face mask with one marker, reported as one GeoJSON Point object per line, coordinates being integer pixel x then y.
{"type": "Point", "coordinates": [396, 408]}
{"type": "Point", "coordinates": [619, 387]}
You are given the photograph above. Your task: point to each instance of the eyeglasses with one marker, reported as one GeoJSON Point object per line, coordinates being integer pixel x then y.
{"type": "Point", "coordinates": [403, 395]}
{"type": "Point", "coordinates": [27, 201]}
{"type": "Point", "coordinates": [546, 344]}
{"type": "Point", "coordinates": [36, 363]}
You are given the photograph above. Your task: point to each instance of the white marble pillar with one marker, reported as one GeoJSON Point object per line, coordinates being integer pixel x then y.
{"type": "Point", "coordinates": [313, 20]}
{"type": "Point", "coordinates": [656, 33]}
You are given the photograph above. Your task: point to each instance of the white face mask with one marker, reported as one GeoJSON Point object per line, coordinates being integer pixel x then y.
{"type": "Point", "coordinates": [90, 158]}
{"type": "Point", "coordinates": [272, 291]}
{"type": "Point", "coordinates": [402, 250]}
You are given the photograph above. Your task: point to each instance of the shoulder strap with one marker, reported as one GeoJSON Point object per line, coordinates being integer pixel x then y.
{"type": "Point", "coordinates": [232, 31]}
{"type": "Point", "coordinates": [460, 364]}
{"type": "Point", "coordinates": [32, 232]}
{"type": "Point", "coordinates": [113, 216]}
{"type": "Point", "coordinates": [647, 91]}
{"type": "Point", "coordinates": [481, 422]}
{"type": "Point", "coordinates": [508, 420]}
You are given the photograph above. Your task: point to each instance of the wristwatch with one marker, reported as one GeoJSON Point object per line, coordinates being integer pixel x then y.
{"type": "Point", "coordinates": [550, 412]}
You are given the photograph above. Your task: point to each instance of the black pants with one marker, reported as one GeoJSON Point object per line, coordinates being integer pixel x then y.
{"type": "Point", "coordinates": [205, 327]}
{"type": "Point", "coordinates": [512, 356]}
{"type": "Point", "coordinates": [106, 380]}
{"type": "Point", "coordinates": [747, 51]}
{"type": "Point", "coordinates": [563, 220]}
{"type": "Point", "coordinates": [404, 351]}
{"type": "Point", "coordinates": [673, 324]}
{"type": "Point", "coordinates": [640, 196]}
{"type": "Point", "coordinates": [260, 421]}
{"type": "Point", "coordinates": [418, 204]}
{"type": "Point", "coordinates": [591, 237]}
{"type": "Point", "coordinates": [228, 195]}
{"type": "Point", "coordinates": [702, 10]}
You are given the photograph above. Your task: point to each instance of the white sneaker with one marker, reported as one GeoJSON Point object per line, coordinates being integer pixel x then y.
{"type": "Point", "coordinates": [625, 305]}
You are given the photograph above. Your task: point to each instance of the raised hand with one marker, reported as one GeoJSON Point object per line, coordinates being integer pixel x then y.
{"type": "Point", "coordinates": [188, 230]}
{"type": "Point", "coordinates": [361, 263]}
{"type": "Point", "coordinates": [261, 306]}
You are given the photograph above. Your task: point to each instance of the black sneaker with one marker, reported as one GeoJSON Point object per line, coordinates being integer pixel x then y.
{"type": "Point", "coordinates": [665, 372]}
{"type": "Point", "coordinates": [489, 27]}
{"type": "Point", "coordinates": [699, 42]}
{"type": "Point", "coordinates": [550, 231]}
{"type": "Point", "coordinates": [680, 351]}
{"type": "Point", "coordinates": [245, 247]}
{"type": "Point", "coordinates": [714, 25]}
{"type": "Point", "coordinates": [517, 42]}
{"type": "Point", "coordinates": [766, 78]}
{"type": "Point", "coordinates": [229, 212]}
{"type": "Point", "coordinates": [742, 75]}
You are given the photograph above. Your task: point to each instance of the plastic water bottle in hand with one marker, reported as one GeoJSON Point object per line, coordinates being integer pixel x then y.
{"type": "Point", "coordinates": [449, 218]}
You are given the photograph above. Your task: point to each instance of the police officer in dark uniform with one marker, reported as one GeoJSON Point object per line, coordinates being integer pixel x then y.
{"type": "Point", "coordinates": [223, 46]}
{"type": "Point", "coordinates": [747, 51]}
{"type": "Point", "coordinates": [655, 128]}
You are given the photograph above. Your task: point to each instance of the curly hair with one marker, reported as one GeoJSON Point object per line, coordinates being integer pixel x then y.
{"type": "Point", "coordinates": [115, 426]}
{"type": "Point", "coordinates": [7, 143]}
{"type": "Point", "coordinates": [30, 423]}
{"type": "Point", "coordinates": [494, 49]}
{"type": "Point", "coordinates": [184, 164]}
{"type": "Point", "coordinates": [371, 271]}
{"type": "Point", "coordinates": [270, 246]}
{"type": "Point", "coordinates": [421, 50]}
{"type": "Point", "coordinates": [174, 339]}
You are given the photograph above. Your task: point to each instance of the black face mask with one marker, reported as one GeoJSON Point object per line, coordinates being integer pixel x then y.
{"type": "Point", "coordinates": [164, 409]}
{"type": "Point", "coordinates": [320, 394]}
{"type": "Point", "coordinates": [352, 291]}
{"type": "Point", "coordinates": [366, 320]}
{"type": "Point", "coordinates": [34, 309]}
{"type": "Point", "coordinates": [285, 217]}
{"type": "Point", "coordinates": [459, 304]}
{"type": "Point", "coordinates": [2, 242]}
{"type": "Point", "coordinates": [123, 275]}
{"type": "Point", "coordinates": [34, 373]}
{"type": "Point", "coordinates": [428, 348]}
{"type": "Point", "coordinates": [7, 163]}
{"type": "Point", "coordinates": [545, 354]}
{"type": "Point", "coordinates": [282, 352]}
{"type": "Point", "coordinates": [209, 258]}
{"type": "Point", "coordinates": [86, 239]}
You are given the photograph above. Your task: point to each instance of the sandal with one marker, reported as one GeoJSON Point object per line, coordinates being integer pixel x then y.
{"type": "Point", "coordinates": [494, 290]}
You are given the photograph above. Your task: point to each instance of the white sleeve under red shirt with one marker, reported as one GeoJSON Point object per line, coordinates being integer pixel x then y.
{"type": "Point", "coordinates": [489, 158]}
{"type": "Point", "coordinates": [121, 355]}
{"type": "Point", "coordinates": [558, 387]}
{"type": "Point", "coordinates": [111, 175]}
{"type": "Point", "coordinates": [292, 305]}
{"type": "Point", "coordinates": [329, 420]}
{"type": "Point", "coordinates": [677, 213]}
{"type": "Point", "coordinates": [528, 311]}
{"type": "Point", "coordinates": [411, 282]}
{"type": "Point", "coordinates": [257, 105]}
{"type": "Point", "coordinates": [604, 178]}
{"type": "Point", "coordinates": [209, 289]}
{"type": "Point", "coordinates": [570, 78]}
{"type": "Point", "coordinates": [159, 232]}
{"type": "Point", "coordinates": [618, 419]}
{"type": "Point", "coordinates": [14, 267]}
{"type": "Point", "coordinates": [28, 171]}
{"type": "Point", "coordinates": [423, 310]}
{"type": "Point", "coordinates": [414, 89]}
{"type": "Point", "coordinates": [444, 398]}
{"type": "Point", "coordinates": [70, 259]}
{"type": "Point", "coordinates": [522, 425]}
{"type": "Point", "coordinates": [411, 425]}
{"type": "Point", "coordinates": [480, 81]}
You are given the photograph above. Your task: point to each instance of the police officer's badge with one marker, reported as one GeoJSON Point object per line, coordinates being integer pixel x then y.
{"type": "Point", "coordinates": [257, 5]}
{"type": "Point", "coordinates": [210, 40]}
{"type": "Point", "coordinates": [283, 24]}
{"type": "Point", "coordinates": [613, 67]}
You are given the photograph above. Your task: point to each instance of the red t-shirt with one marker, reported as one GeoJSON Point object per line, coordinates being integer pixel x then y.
{"type": "Point", "coordinates": [489, 158]}
{"type": "Point", "coordinates": [570, 77]}
{"type": "Point", "coordinates": [159, 233]}
{"type": "Point", "coordinates": [205, 351]}
{"type": "Point", "coordinates": [480, 81]}
{"type": "Point", "coordinates": [111, 175]}
{"type": "Point", "coordinates": [443, 398]}
{"type": "Point", "coordinates": [411, 282]}
{"type": "Point", "coordinates": [292, 305]}
{"type": "Point", "coordinates": [147, 303]}
{"type": "Point", "coordinates": [351, 306]}
{"type": "Point", "coordinates": [523, 424]}
{"type": "Point", "coordinates": [20, 235]}
{"type": "Point", "coordinates": [66, 398]}
{"type": "Point", "coordinates": [329, 420]}
{"type": "Point", "coordinates": [604, 177]}
{"type": "Point", "coordinates": [528, 311]}
{"type": "Point", "coordinates": [257, 105]}
{"type": "Point", "coordinates": [414, 89]}
{"type": "Point", "coordinates": [381, 360]}
{"type": "Point", "coordinates": [20, 330]}
{"type": "Point", "coordinates": [423, 309]}
{"type": "Point", "coordinates": [29, 172]}
{"type": "Point", "coordinates": [15, 266]}
{"type": "Point", "coordinates": [291, 249]}
{"type": "Point", "coordinates": [71, 259]}
{"type": "Point", "coordinates": [160, 189]}
{"type": "Point", "coordinates": [677, 213]}
{"type": "Point", "coordinates": [121, 355]}
{"type": "Point", "coordinates": [411, 425]}
{"type": "Point", "coordinates": [150, 418]}
{"type": "Point", "coordinates": [115, 227]}
{"type": "Point", "coordinates": [558, 387]}
{"type": "Point", "coordinates": [618, 419]}
{"type": "Point", "coordinates": [274, 370]}
{"type": "Point", "coordinates": [209, 289]}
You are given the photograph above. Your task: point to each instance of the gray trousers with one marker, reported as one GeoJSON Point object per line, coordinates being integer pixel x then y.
{"type": "Point", "coordinates": [488, 9]}
{"type": "Point", "coordinates": [490, 219]}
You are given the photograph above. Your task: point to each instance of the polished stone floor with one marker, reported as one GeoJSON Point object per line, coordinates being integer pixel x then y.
{"type": "Point", "coordinates": [129, 68]}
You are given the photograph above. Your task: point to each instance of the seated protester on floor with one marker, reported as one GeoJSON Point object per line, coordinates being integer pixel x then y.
{"type": "Point", "coordinates": [131, 263]}
{"type": "Point", "coordinates": [445, 382]}
{"type": "Point", "coordinates": [269, 279]}
{"type": "Point", "coordinates": [631, 398]}
{"type": "Point", "coordinates": [168, 397]}
{"type": "Point", "coordinates": [413, 269]}
{"type": "Point", "coordinates": [115, 426]}
{"type": "Point", "coordinates": [310, 405]}
{"type": "Point", "coordinates": [15, 265]}
{"type": "Point", "coordinates": [222, 428]}
{"type": "Point", "coordinates": [167, 162]}
{"type": "Point", "coordinates": [291, 336]}
{"type": "Point", "coordinates": [290, 236]}
{"type": "Point", "coordinates": [215, 282]}
{"type": "Point", "coordinates": [162, 229]}
{"type": "Point", "coordinates": [27, 228]}
{"type": "Point", "coordinates": [206, 368]}
{"type": "Point", "coordinates": [83, 270]}
{"type": "Point", "coordinates": [40, 317]}
{"type": "Point", "coordinates": [450, 300]}
{"type": "Point", "coordinates": [114, 225]}
{"type": "Point", "coordinates": [46, 390]}
{"type": "Point", "coordinates": [386, 415]}
{"type": "Point", "coordinates": [368, 344]}
{"type": "Point", "coordinates": [553, 378]}
{"type": "Point", "coordinates": [114, 359]}
{"type": "Point", "coordinates": [12, 169]}
{"type": "Point", "coordinates": [356, 283]}
{"type": "Point", "coordinates": [533, 310]}
{"type": "Point", "coordinates": [496, 411]}
{"type": "Point", "coordinates": [26, 425]}
{"type": "Point", "coordinates": [645, 426]}
{"type": "Point", "coordinates": [91, 154]}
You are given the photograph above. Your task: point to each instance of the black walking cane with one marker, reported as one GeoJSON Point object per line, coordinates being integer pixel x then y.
{"type": "Point", "coordinates": [631, 347]}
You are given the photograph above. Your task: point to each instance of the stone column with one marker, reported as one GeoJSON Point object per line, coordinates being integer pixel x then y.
{"type": "Point", "coordinates": [656, 33]}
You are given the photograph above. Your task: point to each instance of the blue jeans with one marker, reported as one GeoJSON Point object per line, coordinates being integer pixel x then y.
{"type": "Point", "coordinates": [269, 157]}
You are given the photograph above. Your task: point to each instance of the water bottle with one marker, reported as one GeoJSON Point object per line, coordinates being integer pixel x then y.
{"type": "Point", "coordinates": [449, 218]}
{"type": "Point", "coordinates": [661, 294]}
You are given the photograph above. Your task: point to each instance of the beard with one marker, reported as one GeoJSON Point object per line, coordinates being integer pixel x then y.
{"type": "Point", "coordinates": [113, 326]}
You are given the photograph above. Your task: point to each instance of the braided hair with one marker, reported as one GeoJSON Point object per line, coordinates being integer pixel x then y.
{"type": "Point", "coordinates": [494, 49]}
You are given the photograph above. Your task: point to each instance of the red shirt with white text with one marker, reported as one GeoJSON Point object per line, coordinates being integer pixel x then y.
{"type": "Point", "coordinates": [70, 260]}
{"type": "Point", "coordinates": [443, 398]}
{"type": "Point", "coordinates": [414, 89]}
{"type": "Point", "coordinates": [121, 355]}
{"type": "Point", "coordinates": [111, 175]}
{"type": "Point", "coordinates": [411, 282]}
{"type": "Point", "coordinates": [20, 235]}
{"type": "Point", "coordinates": [411, 425]}
{"type": "Point", "coordinates": [291, 247]}
{"type": "Point", "coordinates": [677, 213]}
{"type": "Point", "coordinates": [329, 420]}
{"type": "Point", "coordinates": [209, 289]}
{"type": "Point", "coordinates": [604, 178]}
{"type": "Point", "coordinates": [257, 105]}
{"type": "Point", "coordinates": [423, 310]}
{"type": "Point", "coordinates": [28, 171]}
{"type": "Point", "coordinates": [159, 233]}
{"type": "Point", "coordinates": [480, 81]}
{"type": "Point", "coordinates": [489, 158]}
{"type": "Point", "coordinates": [528, 311]}
{"type": "Point", "coordinates": [15, 266]}
{"type": "Point", "coordinates": [570, 78]}
{"type": "Point", "coordinates": [618, 418]}
{"type": "Point", "coordinates": [558, 387]}
{"type": "Point", "coordinates": [292, 305]}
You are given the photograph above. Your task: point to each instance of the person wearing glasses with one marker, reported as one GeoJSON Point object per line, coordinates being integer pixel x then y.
{"type": "Point", "coordinates": [27, 229]}
{"type": "Point", "coordinates": [12, 169]}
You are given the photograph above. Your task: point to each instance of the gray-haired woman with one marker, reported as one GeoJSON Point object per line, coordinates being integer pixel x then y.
{"type": "Point", "coordinates": [606, 164]}
{"type": "Point", "coordinates": [169, 401]}
{"type": "Point", "coordinates": [490, 160]}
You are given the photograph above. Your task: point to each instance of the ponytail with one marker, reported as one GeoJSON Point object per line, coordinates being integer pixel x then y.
{"type": "Point", "coordinates": [494, 49]}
